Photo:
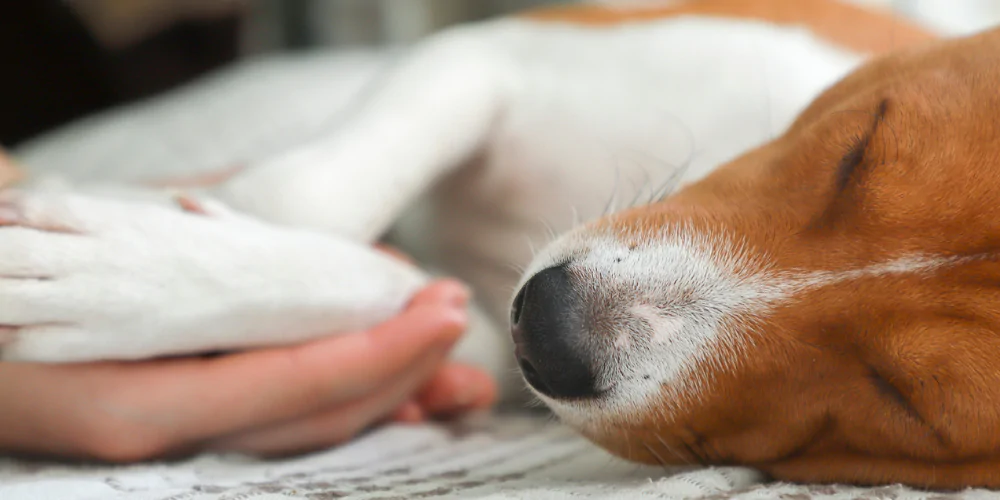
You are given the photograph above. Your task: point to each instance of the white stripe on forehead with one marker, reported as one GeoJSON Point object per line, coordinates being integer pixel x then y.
{"type": "Point", "coordinates": [796, 282]}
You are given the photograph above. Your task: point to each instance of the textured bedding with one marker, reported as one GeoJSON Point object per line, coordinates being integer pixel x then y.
{"type": "Point", "coordinates": [503, 457]}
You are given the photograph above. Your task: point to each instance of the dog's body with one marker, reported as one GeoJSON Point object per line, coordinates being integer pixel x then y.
{"type": "Point", "coordinates": [639, 328]}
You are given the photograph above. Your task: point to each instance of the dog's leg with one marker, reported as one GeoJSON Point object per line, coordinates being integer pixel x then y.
{"type": "Point", "coordinates": [88, 278]}
{"type": "Point", "coordinates": [114, 276]}
{"type": "Point", "coordinates": [428, 115]}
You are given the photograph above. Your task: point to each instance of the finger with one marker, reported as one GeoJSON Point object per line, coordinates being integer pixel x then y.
{"type": "Point", "coordinates": [200, 180]}
{"type": "Point", "coordinates": [454, 389]}
{"type": "Point", "coordinates": [336, 425]}
{"type": "Point", "coordinates": [189, 204]}
{"type": "Point", "coordinates": [205, 207]}
{"type": "Point", "coordinates": [409, 412]}
{"type": "Point", "coordinates": [393, 252]}
{"type": "Point", "coordinates": [457, 389]}
{"type": "Point", "coordinates": [250, 389]}
{"type": "Point", "coordinates": [447, 292]}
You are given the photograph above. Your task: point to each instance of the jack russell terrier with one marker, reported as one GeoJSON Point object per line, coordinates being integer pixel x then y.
{"type": "Point", "coordinates": [820, 307]}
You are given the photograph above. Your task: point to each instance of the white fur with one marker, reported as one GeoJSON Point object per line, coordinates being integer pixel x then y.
{"type": "Point", "coordinates": [513, 130]}
{"type": "Point", "coordinates": [125, 280]}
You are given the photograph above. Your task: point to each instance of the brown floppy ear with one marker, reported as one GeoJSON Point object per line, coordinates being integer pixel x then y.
{"type": "Point", "coordinates": [10, 174]}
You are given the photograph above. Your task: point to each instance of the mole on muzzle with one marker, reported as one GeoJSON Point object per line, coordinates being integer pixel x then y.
{"type": "Point", "coordinates": [549, 332]}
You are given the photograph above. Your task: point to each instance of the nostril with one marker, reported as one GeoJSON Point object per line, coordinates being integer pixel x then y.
{"type": "Point", "coordinates": [531, 375]}
{"type": "Point", "coordinates": [518, 305]}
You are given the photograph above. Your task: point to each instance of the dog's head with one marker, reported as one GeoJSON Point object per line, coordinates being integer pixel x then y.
{"type": "Point", "coordinates": [825, 307]}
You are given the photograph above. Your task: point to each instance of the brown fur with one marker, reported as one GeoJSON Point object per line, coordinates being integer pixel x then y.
{"type": "Point", "coordinates": [852, 27]}
{"type": "Point", "coordinates": [891, 378]}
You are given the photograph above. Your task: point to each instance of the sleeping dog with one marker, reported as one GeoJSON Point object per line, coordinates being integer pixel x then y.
{"type": "Point", "coordinates": [818, 306]}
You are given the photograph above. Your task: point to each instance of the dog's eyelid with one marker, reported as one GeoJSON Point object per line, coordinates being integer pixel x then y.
{"type": "Point", "coordinates": [848, 167]}
{"type": "Point", "coordinates": [850, 162]}
{"type": "Point", "coordinates": [851, 165]}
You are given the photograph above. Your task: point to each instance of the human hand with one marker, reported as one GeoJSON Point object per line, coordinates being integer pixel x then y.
{"type": "Point", "coordinates": [452, 390]}
{"type": "Point", "coordinates": [269, 401]}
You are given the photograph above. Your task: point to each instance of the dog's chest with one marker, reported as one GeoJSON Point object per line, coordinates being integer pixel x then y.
{"type": "Point", "coordinates": [599, 119]}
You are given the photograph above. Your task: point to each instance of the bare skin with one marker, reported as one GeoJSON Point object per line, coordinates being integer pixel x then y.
{"type": "Point", "coordinates": [266, 402]}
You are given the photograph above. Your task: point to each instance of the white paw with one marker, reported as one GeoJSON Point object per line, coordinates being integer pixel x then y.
{"type": "Point", "coordinates": [85, 278]}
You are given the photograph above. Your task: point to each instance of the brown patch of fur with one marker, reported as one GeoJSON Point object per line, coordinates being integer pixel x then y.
{"type": "Point", "coordinates": [862, 30]}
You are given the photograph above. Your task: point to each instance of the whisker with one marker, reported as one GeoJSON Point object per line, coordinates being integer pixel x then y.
{"type": "Point", "coordinates": [531, 245]}
{"type": "Point", "coordinates": [672, 450]}
{"type": "Point", "coordinates": [517, 268]}
{"type": "Point", "coordinates": [639, 192]}
{"type": "Point", "coordinates": [576, 216]}
{"type": "Point", "coordinates": [551, 233]}
{"type": "Point", "coordinates": [628, 445]}
{"type": "Point", "coordinates": [611, 206]}
{"type": "Point", "coordinates": [659, 459]}
{"type": "Point", "coordinates": [674, 179]}
{"type": "Point", "coordinates": [692, 452]}
{"type": "Point", "coordinates": [671, 183]}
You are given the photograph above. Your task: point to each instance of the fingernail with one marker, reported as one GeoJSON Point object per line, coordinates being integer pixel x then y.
{"type": "Point", "coordinates": [458, 316]}
{"type": "Point", "coordinates": [461, 295]}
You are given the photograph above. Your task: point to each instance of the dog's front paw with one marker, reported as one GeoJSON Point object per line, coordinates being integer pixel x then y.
{"type": "Point", "coordinates": [85, 278]}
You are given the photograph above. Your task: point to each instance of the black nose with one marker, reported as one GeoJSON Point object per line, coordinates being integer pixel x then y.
{"type": "Point", "coordinates": [547, 324]}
